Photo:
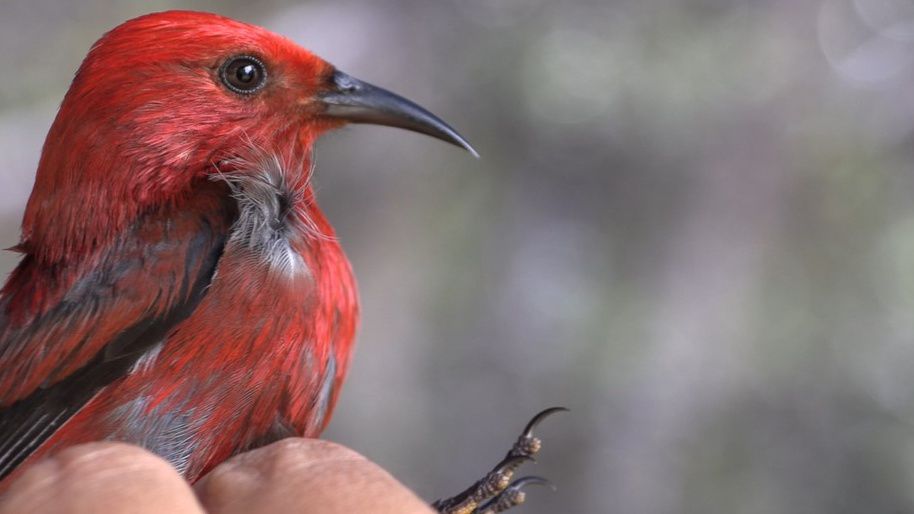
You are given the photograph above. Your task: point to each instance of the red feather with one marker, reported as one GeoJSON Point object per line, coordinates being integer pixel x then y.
{"type": "Point", "coordinates": [147, 308]}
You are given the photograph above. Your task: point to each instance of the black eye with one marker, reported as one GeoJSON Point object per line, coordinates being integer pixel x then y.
{"type": "Point", "coordinates": [243, 74]}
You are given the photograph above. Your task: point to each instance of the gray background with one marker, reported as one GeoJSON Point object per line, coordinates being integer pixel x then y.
{"type": "Point", "coordinates": [692, 224]}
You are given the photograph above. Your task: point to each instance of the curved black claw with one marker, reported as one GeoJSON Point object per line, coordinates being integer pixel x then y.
{"type": "Point", "coordinates": [513, 495]}
{"type": "Point", "coordinates": [495, 492]}
{"type": "Point", "coordinates": [528, 430]}
{"type": "Point", "coordinates": [520, 483]}
{"type": "Point", "coordinates": [528, 444]}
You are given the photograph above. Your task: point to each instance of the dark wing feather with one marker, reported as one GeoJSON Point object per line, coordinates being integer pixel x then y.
{"type": "Point", "coordinates": [149, 281]}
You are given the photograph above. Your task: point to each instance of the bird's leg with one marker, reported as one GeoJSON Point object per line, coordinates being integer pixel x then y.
{"type": "Point", "coordinates": [496, 492]}
{"type": "Point", "coordinates": [512, 496]}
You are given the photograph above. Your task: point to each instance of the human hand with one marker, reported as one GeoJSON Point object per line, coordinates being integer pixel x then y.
{"type": "Point", "coordinates": [302, 476]}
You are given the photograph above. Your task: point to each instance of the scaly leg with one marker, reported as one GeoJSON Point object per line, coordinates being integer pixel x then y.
{"type": "Point", "coordinates": [512, 496]}
{"type": "Point", "coordinates": [495, 492]}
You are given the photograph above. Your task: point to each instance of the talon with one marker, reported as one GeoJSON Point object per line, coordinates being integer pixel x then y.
{"type": "Point", "coordinates": [513, 495]}
{"type": "Point", "coordinates": [496, 492]}
{"type": "Point", "coordinates": [528, 430]}
{"type": "Point", "coordinates": [520, 483]}
{"type": "Point", "coordinates": [527, 443]}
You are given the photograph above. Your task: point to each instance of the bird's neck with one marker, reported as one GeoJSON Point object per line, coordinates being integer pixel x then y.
{"type": "Point", "coordinates": [278, 220]}
{"type": "Point", "coordinates": [87, 191]}
{"type": "Point", "coordinates": [95, 179]}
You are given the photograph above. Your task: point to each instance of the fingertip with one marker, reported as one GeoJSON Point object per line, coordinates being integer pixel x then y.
{"type": "Point", "coordinates": [244, 474]}
{"type": "Point", "coordinates": [113, 477]}
{"type": "Point", "coordinates": [304, 476]}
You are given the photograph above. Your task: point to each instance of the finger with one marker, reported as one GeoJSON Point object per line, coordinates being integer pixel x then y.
{"type": "Point", "coordinates": [304, 476]}
{"type": "Point", "coordinates": [110, 478]}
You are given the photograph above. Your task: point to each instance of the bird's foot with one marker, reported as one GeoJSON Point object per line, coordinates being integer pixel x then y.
{"type": "Point", "coordinates": [496, 492]}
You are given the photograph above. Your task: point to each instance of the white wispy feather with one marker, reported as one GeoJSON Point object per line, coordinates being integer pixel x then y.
{"type": "Point", "coordinates": [269, 207]}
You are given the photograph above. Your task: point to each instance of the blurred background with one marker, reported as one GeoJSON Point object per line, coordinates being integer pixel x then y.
{"type": "Point", "coordinates": [692, 224]}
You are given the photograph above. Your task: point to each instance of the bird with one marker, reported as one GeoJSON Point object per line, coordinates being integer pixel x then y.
{"type": "Point", "coordinates": [179, 288]}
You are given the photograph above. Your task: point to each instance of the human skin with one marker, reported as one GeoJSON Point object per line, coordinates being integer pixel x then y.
{"type": "Point", "coordinates": [305, 476]}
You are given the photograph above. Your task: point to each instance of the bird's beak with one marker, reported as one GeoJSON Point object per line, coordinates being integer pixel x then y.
{"type": "Point", "coordinates": [355, 101]}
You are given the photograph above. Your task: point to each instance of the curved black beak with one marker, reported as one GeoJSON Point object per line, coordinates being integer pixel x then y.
{"type": "Point", "coordinates": [355, 101]}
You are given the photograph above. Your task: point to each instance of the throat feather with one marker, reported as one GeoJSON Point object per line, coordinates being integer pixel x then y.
{"type": "Point", "coordinates": [272, 210]}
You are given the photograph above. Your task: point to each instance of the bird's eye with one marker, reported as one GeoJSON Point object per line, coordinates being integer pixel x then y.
{"type": "Point", "coordinates": [244, 74]}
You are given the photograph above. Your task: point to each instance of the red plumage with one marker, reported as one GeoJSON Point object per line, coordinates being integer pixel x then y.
{"type": "Point", "coordinates": [180, 289]}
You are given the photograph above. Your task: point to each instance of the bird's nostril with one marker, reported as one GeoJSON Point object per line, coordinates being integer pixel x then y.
{"type": "Point", "coordinates": [344, 83]}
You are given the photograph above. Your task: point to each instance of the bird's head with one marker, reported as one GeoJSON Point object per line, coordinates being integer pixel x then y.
{"type": "Point", "coordinates": [160, 100]}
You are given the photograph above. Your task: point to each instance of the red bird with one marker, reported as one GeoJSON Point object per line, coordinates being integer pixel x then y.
{"type": "Point", "coordinates": [180, 289]}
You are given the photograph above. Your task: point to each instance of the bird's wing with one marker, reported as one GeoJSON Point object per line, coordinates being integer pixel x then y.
{"type": "Point", "coordinates": [98, 323]}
